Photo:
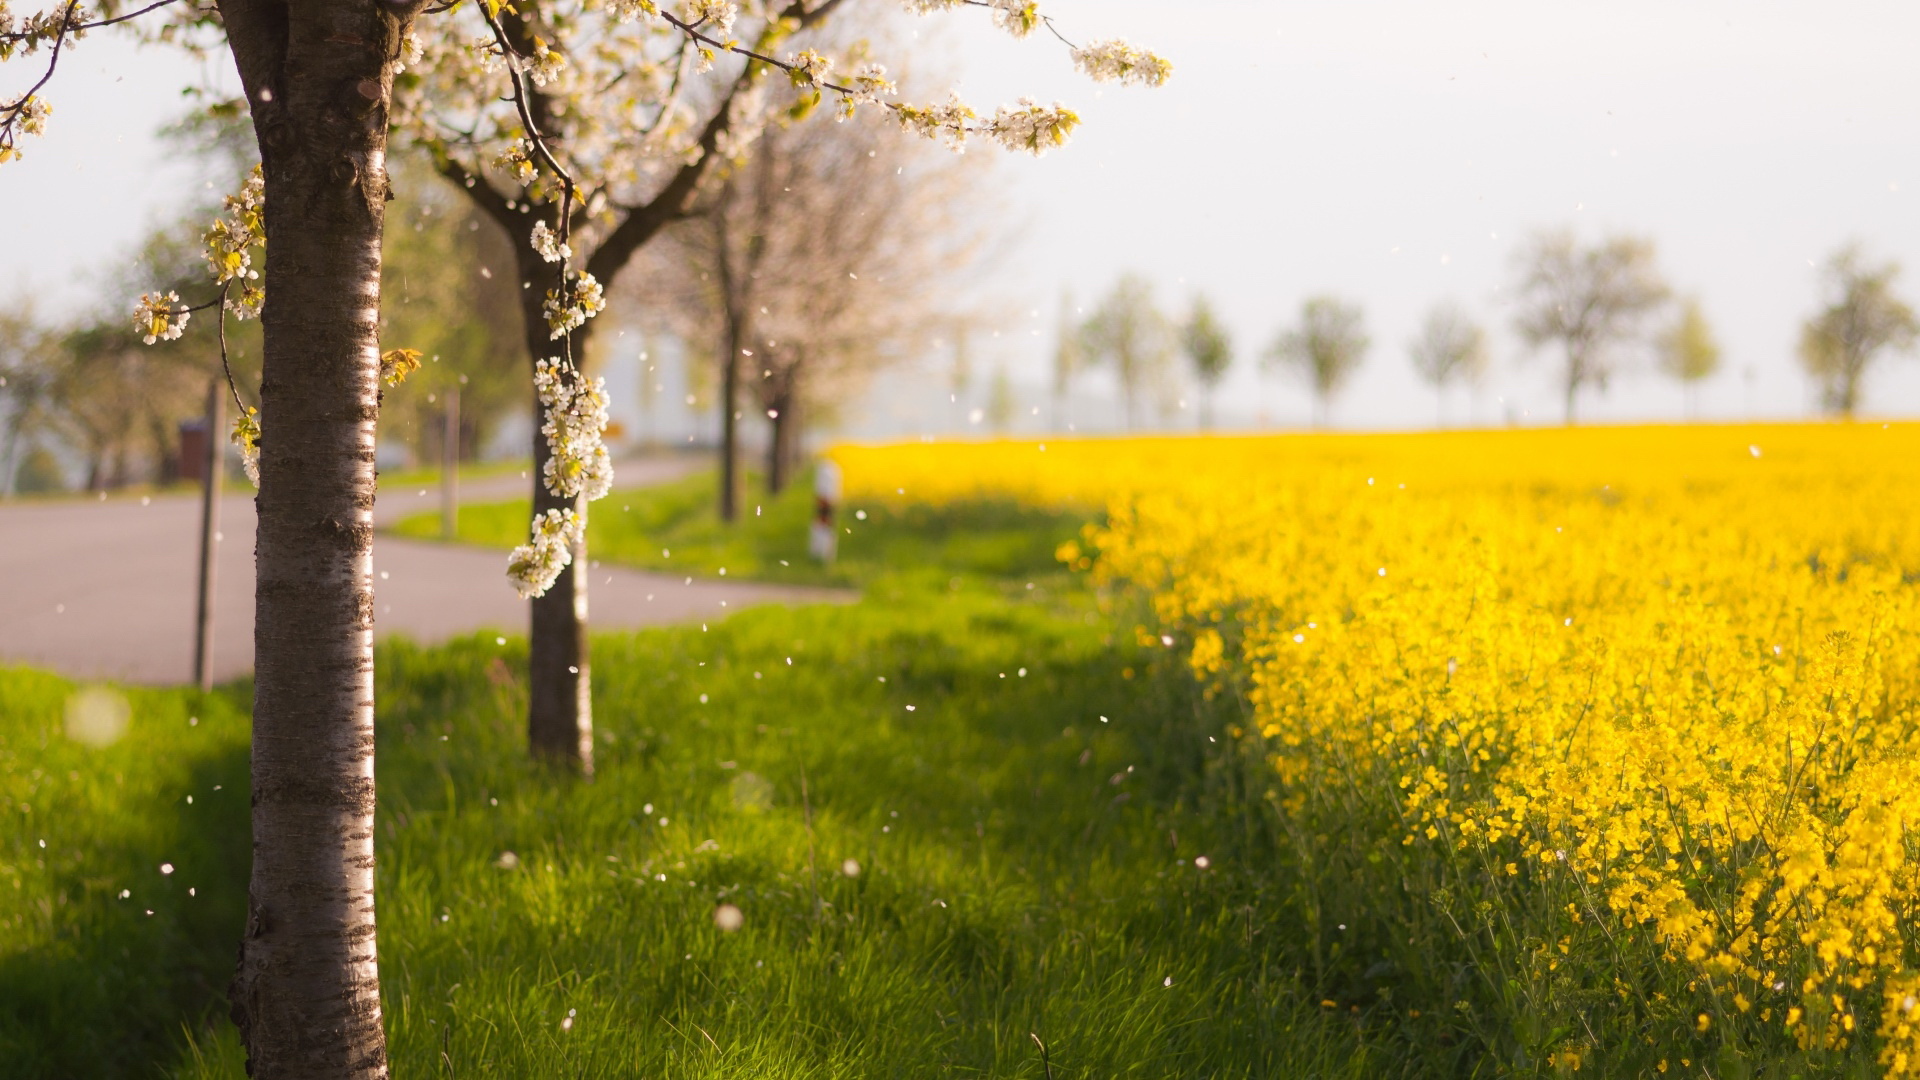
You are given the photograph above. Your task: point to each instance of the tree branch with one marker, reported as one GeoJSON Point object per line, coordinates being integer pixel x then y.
{"type": "Point", "coordinates": [483, 194]}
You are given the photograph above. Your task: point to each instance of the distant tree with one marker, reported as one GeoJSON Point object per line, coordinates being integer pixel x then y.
{"type": "Point", "coordinates": [27, 370]}
{"type": "Point", "coordinates": [1001, 403]}
{"type": "Point", "coordinates": [323, 86]}
{"type": "Point", "coordinates": [117, 403]}
{"type": "Point", "coordinates": [831, 252]}
{"type": "Point", "coordinates": [1862, 319]}
{"type": "Point", "coordinates": [450, 293]}
{"type": "Point", "coordinates": [1688, 351]}
{"type": "Point", "coordinates": [1209, 348]}
{"type": "Point", "coordinates": [1450, 347]}
{"type": "Point", "coordinates": [1128, 331]}
{"type": "Point", "coordinates": [1068, 357]}
{"type": "Point", "coordinates": [1590, 301]}
{"type": "Point", "coordinates": [96, 393]}
{"type": "Point", "coordinates": [1325, 349]}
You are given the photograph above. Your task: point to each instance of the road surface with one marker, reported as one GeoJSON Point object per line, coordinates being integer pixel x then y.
{"type": "Point", "coordinates": [105, 588]}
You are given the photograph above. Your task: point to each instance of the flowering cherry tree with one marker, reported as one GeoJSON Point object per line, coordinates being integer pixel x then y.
{"type": "Point", "coordinates": [615, 114]}
{"type": "Point", "coordinates": [515, 87]}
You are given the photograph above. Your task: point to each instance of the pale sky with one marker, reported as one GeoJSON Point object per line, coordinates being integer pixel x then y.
{"type": "Point", "coordinates": [1393, 153]}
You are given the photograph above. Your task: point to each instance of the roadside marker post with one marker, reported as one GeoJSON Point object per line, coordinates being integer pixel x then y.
{"type": "Point", "coordinates": [209, 534]}
{"type": "Point", "coordinates": [822, 542]}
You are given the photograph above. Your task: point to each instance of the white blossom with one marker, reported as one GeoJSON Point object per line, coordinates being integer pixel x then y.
{"type": "Point", "coordinates": [246, 436]}
{"type": "Point", "coordinates": [809, 67]}
{"type": "Point", "coordinates": [869, 85]}
{"type": "Point", "coordinates": [158, 317]}
{"type": "Point", "coordinates": [516, 160]}
{"type": "Point", "coordinates": [246, 302]}
{"type": "Point", "coordinates": [1016, 17]}
{"type": "Point", "coordinates": [573, 304]}
{"type": "Point", "coordinates": [1116, 61]}
{"type": "Point", "coordinates": [718, 14]}
{"type": "Point", "coordinates": [25, 38]}
{"type": "Point", "coordinates": [546, 65]}
{"type": "Point", "coordinates": [27, 116]}
{"type": "Point", "coordinates": [411, 53]}
{"type": "Point", "coordinates": [1032, 127]}
{"type": "Point", "coordinates": [488, 51]}
{"type": "Point", "coordinates": [947, 121]}
{"type": "Point", "coordinates": [230, 240]}
{"type": "Point", "coordinates": [547, 243]}
{"type": "Point", "coordinates": [574, 424]}
{"type": "Point", "coordinates": [626, 11]}
{"type": "Point", "coordinates": [33, 115]}
{"type": "Point", "coordinates": [534, 566]}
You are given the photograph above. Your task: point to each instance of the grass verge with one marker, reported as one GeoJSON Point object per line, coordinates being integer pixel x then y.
{"type": "Point", "coordinates": [675, 527]}
{"type": "Point", "coordinates": [938, 846]}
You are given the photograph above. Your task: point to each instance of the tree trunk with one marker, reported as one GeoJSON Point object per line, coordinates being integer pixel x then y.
{"type": "Point", "coordinates": [210, 464]}
{"type": "Point", "coordinates": [730, 422]}
{"type": "Point", "coordinates": [1576, 374]}
{"type": "Point", "coordinates": [560, 680]}
{"type": "Point", "coordinates": [11, 459]}
{"type": "Point", "coordinates": [307, 993]}
{"type": "Point", "coordinates": [783, 441]}
{"type": "Point", "coordinates": [1849, 397]}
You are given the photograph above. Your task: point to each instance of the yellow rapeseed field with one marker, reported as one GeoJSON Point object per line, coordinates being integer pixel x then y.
{"type": "Point", "coordinates": [1632, 688]}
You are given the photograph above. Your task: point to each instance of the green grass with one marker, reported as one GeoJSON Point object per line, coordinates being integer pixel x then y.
{"type": "Point", "coordinates": [1024, 866]}
{"type": "Point", "coordinates": [429, 475]}
{"type": "Point", "coordinates": [91, 983]}
{"type": "Point", "coordinates": [676, 527]}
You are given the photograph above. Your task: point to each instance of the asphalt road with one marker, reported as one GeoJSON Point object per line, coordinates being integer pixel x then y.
{"type": "Point", "coordinates": [98, 588]}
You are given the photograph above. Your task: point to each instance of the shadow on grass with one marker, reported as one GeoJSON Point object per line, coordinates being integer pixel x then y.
{"type": "Point", "coordinates": [937, 845]}
{"type": "Point", "coordinates": [120, 932]}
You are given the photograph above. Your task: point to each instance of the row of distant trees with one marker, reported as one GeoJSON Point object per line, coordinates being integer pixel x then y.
{"type": "Point", "coordinates": [83, 388]}
{"type": "Point", "coordinates": [1593, 305]}
{"type": "Point", "coordinates": [736, 281]}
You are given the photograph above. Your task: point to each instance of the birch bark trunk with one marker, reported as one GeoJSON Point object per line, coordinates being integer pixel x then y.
{"type": "Point", "coordinates": [307, 995]}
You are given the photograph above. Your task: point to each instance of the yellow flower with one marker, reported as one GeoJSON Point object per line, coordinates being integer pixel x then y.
{"type": "Point", "coordinates": [1681, 681]}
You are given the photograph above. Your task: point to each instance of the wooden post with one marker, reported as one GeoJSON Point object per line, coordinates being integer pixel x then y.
{"type": "Point", "coordinates": [209, 534]}
{"type": "Point", "coordinates": [450, 468]}
{"type": "Point", "coordinates": [822, 542]}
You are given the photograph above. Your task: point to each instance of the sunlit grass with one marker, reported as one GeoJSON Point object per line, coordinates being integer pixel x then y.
{"type": "Point", "coordinates": [675, 527]}
{"type": "Point", "coordinates": [1022, 865]}
{"type": "Point", "coordinates": [428, 476]}
{"type": "Point", "coordinates": [122, 875]}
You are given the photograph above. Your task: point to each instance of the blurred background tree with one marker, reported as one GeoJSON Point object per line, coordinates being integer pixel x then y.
{"type": "Point", "coordinates": [1591, 301]}
{"type": "Point", "coordinates": [1209, 350]}
{"type": "Point", "coordinates": [1863, 318]}
{"type": "Point", "coordinates": [1451, 348]}
{"type": "Point", "coordinates": [1128, 331]}
{"type": "Point", "coordinates": [1002, 404]}
{"type": "Point", "coordinates": [1325, 349]}
{"type": "Point", "coordinates": [1688, 351]}
{"type": "Point", "coordinates": [831, 253]}
{"type": "Point", "coordinates": [1068, 360]}
{"type": "Point", "coordinates": [85, 393]}
{"type": "Point", "coordinates": [450, 293]}
{"type": "Point", "coordinates": [26, 403]}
